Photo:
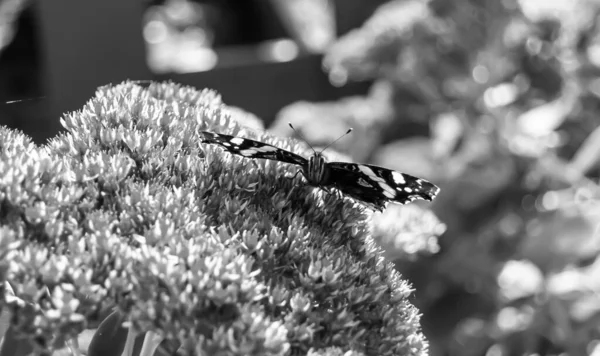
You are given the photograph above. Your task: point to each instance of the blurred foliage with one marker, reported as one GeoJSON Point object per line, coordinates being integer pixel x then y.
{"type": "Point", "coordinates": [9, 12]}
{"type": "Point", "coordinates": [498, 102]}
{"type": "Point", "coordinates": [128, 225]}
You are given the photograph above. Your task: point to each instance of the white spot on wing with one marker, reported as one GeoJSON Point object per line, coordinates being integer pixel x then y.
{"type": "Point", "coordinates": [387, 190]}
{"type": "Point", "coordinates": [237, 140]}
{"type": "Point", "coordinates": [388, 194]}
{"type": "Point", "coordinates": [366, 170]}
{"type": "Point", "coordinates": [369, 172]}
{"type": "Point", "coordinates": [266, 149]}
{"type": "Point", "coordinates": [247, 153]}
{"type": "Point", "coordinates": [364, 183]}
{"type": "Point", "coordinates": [398, 178]}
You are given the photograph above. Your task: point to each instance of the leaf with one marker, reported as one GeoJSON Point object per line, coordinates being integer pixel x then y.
{"type": "Point", "coordinates": [110, 337]}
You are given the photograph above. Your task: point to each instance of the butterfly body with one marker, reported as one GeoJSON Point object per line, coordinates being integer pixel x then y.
{"type": "Point", "coordinates": [372, 185]}
{"type": "Point", "coordinates": [316, 171]}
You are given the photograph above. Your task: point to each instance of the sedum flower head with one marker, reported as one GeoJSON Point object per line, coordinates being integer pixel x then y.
{"type": "Point", "coordinates": [127, 211]}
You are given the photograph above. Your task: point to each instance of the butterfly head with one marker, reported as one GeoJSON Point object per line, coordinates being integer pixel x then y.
{"type": "Point", "coordinates": [316, 170]}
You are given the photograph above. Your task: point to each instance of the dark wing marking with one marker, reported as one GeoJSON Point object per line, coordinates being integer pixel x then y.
{"type": "Point", "coordinates": [378, 185]}
{"type": "Point", "coordinates": [358, 187]}
{"type": "Point", "coordinates": [252, 149]}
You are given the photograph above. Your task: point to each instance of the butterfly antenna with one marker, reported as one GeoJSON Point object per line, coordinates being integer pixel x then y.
{"type": "Point", "coordinates": [336, 140]}
{"type": "Point", "coordinates": [302, 137]}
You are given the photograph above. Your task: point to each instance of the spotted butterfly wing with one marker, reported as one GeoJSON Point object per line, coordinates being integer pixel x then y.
{"type": "Point", "coordinates": [252, 149]}
{"type": "Point", "coordinates": [375, 186]}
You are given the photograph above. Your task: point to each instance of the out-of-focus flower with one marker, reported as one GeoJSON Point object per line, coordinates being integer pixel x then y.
{"type": "Point", "coordinates": [405, 231]}
{"type": "Point", "coordinates": [311, 22]}
{"type": "Point", "coordinates": [520, 279]}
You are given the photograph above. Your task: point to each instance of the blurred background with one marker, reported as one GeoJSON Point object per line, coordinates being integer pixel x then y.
{"type": "Point", "coordinates": [259, 54]}
{"type": "Point", "coordinates": [496, 101]}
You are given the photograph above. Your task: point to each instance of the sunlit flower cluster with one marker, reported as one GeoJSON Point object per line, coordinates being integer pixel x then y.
{"type": "Point", "coordinates": [129, 215]}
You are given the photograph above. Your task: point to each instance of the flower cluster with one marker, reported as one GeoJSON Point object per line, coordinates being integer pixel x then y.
{"type": "Point", "coordinates": [129, 222]}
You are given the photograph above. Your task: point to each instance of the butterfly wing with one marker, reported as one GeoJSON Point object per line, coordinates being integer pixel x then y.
{"type": "Point", "coordinates": [252, 149]}
{"type": "Point", "coordinates": [377, 185]}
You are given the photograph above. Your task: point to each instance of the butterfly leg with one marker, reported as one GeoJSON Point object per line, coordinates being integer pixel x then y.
{"type": "Point", "coordinates": [339, 193]}
{"type": "Point", "coordinates": [331, 190]}
{"type": "Point", "coordinates": [296, 174]}
{"type": "Point", "coordinates": [326, 189]}
{"type": "Point", "coordinates": [291, 178]}
{"type": "Point", "coordinates": [256, 166]}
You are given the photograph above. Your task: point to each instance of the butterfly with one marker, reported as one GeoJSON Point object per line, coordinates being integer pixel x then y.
{"type": "Point", "coordinates": [373, 186]}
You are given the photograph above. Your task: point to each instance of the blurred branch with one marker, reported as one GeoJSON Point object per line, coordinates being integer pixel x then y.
{"type": "Point", "coordinates": [588, 155]}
